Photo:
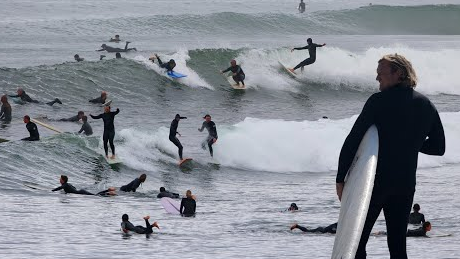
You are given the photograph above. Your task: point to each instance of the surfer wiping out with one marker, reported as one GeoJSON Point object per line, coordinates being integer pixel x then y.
{"type": "Point", "coordinates": [32, 128]}
{"type": "Point", "coordinates": [102, 99]}
{"type": "Point", "coordinates": [26, 98]}
{"type": "Point", "coordinates": [112, 49]}
{"type": "Point", "coordinates": [416, 217]}
{"type": "Point", "coordinates": [188, 205]}
{"type": "Point", "coordinates": [109, 129]}
{"type": "Point", "coordinates": [212, 133]}
{"type": "Point", "coordinates": [407, 123]}
{"type": "Point", "coordinates": [332, 229]}
{"type": "Point", "coordinates": [172, 134]}
{"type": "Point", "coordinates": [127, 226]}
{"type": "Point", "coordinates": [311, 50]}
{"type": "Point", "coordinates": [86, 128]}
{"type": "Point", "coordinates": [237, 72]}
{"type": "Point", "coordinates": [5, 111]}
{"type": "Point", "coordinates": [169, 66]}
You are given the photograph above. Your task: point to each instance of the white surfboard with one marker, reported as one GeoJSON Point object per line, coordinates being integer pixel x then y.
{"type": "Point", "coordinates": [292, 74]}
{"type": "Point", "coordinates": [356, 196]}
{"type": "Point", "coordinates": [234, 85]}
{"type": "Point", "coordinates": [46, 126]}
{"type": "Point", "coordinates": [113, 161]}
{"type": "Point", "coordinates": [170, 205]}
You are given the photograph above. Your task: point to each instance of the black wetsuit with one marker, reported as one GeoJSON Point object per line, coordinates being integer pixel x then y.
{"type": "Point", "coordinates": [71, 119]}
{"type": "Point", "coordinates": [112, 49]}
{"type": "Point", "coordinates": [173, 138]}
{"type": "Point", "coordinates": [187, 207]}
{"type": "Point", "coordinates": [68, 188]}
{"type": "Point", "coordinates": [302, 7]}
{"type": "Point", "coordinates": [132, 186]}
{"type": "Point", "coordinates": [98, 100]}
{"type": "Point", "coordinates": [332, 229]}
{"type": "Point", "coordinates": [419, 232]}
{"type": "Point", "coordinates": [312, 51]}
{"type": "Point", "coordinates": [168, 195]}
{"type": "Point", "coordinates": [33, 131]}
{"type": "Point", "coordinates": [86, 128]}
{"type": "Point", "coordinates": [239, 77]}
{"type": "Point", "coordinates": [404, 119]}
{"type": "Point", "coordinates": [26, 98]}
{"type": "Point", "coordinates": [212, 130]}
{"type": "Point", "coordinates": [138, 229]}
{"type": "Point", "coordinates": [109, 129]}
{"type": "Point", "coordinates": [5, 112]}
{"type": "Point", "coordinates": [416, 218]}
{"type": "Point", "coordinates": [166, 65]}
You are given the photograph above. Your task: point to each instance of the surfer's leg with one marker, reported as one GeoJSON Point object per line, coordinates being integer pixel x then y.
{"type": "Point", "coordinates": [84, 192]}
{"type": "Point", "coordinates": [126, 46]}
{"type": "Point", "coordinates": [112, 146]}
{"type": "Point", "coordinates": [105, 139]}
{"type": "Point", "coordinates": [396, 211]}
{"type": "Point", "coordinates": [373, 213]}
{"type": "Point", "coordinates": [306, 62]}
{"type": "Point", "coordinates": [54, 101]}
{"type": "Point", "coordinates": [148, 227]}
{"type": "Point", "coordinates": [210, 142]}
{"type": "Point", "coordinates": [179, 145]}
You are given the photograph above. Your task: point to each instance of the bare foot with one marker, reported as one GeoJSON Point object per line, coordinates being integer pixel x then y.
{"type": "Point", "coordinates": [293, 226]}
{"type": "Point", "coordinates": [147, 217]}
{"type": "Point", "coordinates": [292, 70]}
{"type": "Point", "coordinates": [106, 156]}
{"type": "Point", "coordinates": [155, 224]}
{"type": "Point", "coordinates": [112, 157]}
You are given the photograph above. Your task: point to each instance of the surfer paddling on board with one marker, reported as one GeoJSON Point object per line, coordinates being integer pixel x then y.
{"type": "Point", "coordinates": [32, 128]}
{"type": "Point", "coordinates": [164, 193]}
{"type": "Point", "coordinates": [169, 66]}
{"type": "Point", "coordinates": [75, 118]}
{"type": "Point", "coordinates": [26, 98]}
{"type": "Point", "coordinates": [332, 229]}
{"type": "Point", "coordinates": [112, 49]}
{"type": "Point", "coordinates": [173, 132]}
{"type": "Point", "coordinates": [102, 99]}
{"type": "Point", "coordinates": [5, 111]}
{"type": "Point", "coordinates": [212, 133]}
{"type": "Point", "coordinates": [116, 39]}
{"type": "Point", "coordinates": [188, 205]}
{"type": "Point", "coordinates": [311, 50]}
{"type": "Point", "coordinates": [77, 58]}
{"type": "Point", "coordinates": [127, 226]}
{"type": "Point", "coordinates": [132, 186]}
{"type": "Point", "coordinates": [407, 123]}
{"type": "Point", "coordinates": [237, 72]}
{"type": "Point", "coordinates": [416, 217]}
{"type": "Point", "coordinates": [109, 129]}
{"type": "Point", "coordinates": [68, 188]}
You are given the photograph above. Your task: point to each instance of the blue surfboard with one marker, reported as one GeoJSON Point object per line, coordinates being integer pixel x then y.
{"type": "Point", "coordinates": [175, 75]}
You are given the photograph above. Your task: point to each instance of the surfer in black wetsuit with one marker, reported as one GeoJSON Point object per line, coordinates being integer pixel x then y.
{"type": "Point", "coordinates": [332, 229]}
{"type": "Point", "coordinates": [407, 123]}
{"type": "Point", "coordinates": [109, 129]}
{"type": "Point", "coordinates": [75, 118]}
{"type": "Point", "coordinates": [293, 207]}
{"type": "Point", "coordinates": [311, 50]}
{"type": "Point", "coordinates": [132, 186]}
{"type": "Point", "coordinates": [32, 128]}
{"type": "Point", "coordinates": [416, 217]}
{"type": "Point", "coordinates": [117, 55]}
{"type": "Point", "coordinates": [127, 226]}
{"type": "Point", "coordinates": [212, 133]}
{"type": "Point", "coordinates": [172, 134]}
{"type": "Point", "coordinates": [419, 232]}
{"type": "Point", "coordinates": [165, 193]}
{"type": "Point", "coordinates": [188, 205]}
{"type": "Point", "coordinates": [102, 99]}
{"type": "Point", "coordinates": [77, 58]}
{"type": "Point", "coordinates": [26, 98]}
{"type": "Point", "coordinates": [68, 188]}
{"type": "Point", "coordinates": [86, 128]}
{"type": "Point", "coordinates": [112, 49]}
{"type": "Point", "coordinates": [5, 111]}
{"type": "Point", "coordinates": [169, 66]}
{"type": "Point", "coordinates": [301, 7]}
{"type": "Point", "coordinates": [237, 72]}
{"type": "Point", "coordinates": [116, 39]}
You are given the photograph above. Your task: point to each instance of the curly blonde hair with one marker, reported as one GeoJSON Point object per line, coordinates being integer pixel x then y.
{"type": "Point", "coordinates": [399, 62]}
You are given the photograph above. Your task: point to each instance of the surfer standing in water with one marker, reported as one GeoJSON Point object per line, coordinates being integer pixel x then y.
{"type": "Point", "coordinates": [301, 7]}
{"type": "Point", "coordinates": [32, 128]}
{"type": "Point", "coordinates": [311, 50]}
{"type": "Point", "coordinates": [237, 72]}
{"type": "Point", "coordinates": [112, 49]}
{"type": "Point", "coordinates": [5, 112]}
{"type": "Point", "coordinates": [416, 217]}
{"type": "Point", "coordinates": [172, 134]}
{"type": "Point", "coordinates": [109, 129]}
{"type": "Point", "coordinates": [212, 133]}
{"type": "Point", "coordinates": [407, 123]}
{"type": "Point", "coordinates": [188, 205]}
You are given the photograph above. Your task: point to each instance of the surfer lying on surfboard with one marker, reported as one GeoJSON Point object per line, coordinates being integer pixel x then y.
{"type": "Point", "coordinates": [127, 226]}
{"type": "Point", "coordinates": [25, 98]}
{"type": "Point", "coordinates": [237, 72]}
{"type": "Point", "coordinates": [102, 99]}
{"type": "Point", "coordinates": [68, 188]}
{"type": "Point", "coordinates": [169, 66]}
{"type": "Point", "coordinates": [164, 193]}
{"type": "Point", "coordinates": [332, 229]}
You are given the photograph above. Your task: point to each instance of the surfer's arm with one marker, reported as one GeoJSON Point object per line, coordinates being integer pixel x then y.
{"type": "Point", "coordinates": [100, 50]}
{"type": "Point", "coordinates": [14, 96]}
{"type": "Point", "coordinates": [301, 48]}
{"type": "Point", "coordinates": [318, 45]}
{"type": "Point", "coordinates": [117, 111]}
{"type": "Point", "coordinates": [96, 117]}
{"type": "Point", "coordinates": [226, 70]}
{"type": "Point", "coordinates": [436, 143]}
{"type": "Point", "coordinates": [57, 189]}
{"type": "Point", "coordinates": [181, 207]}
{"type": "Point", "coordinates": [202, 127]}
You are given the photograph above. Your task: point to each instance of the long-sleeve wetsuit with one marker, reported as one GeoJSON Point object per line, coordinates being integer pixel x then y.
{"type": "Point", "coordinates": [187, 207]}
{"type": "Point", "coordinates": [238, 73]}
{"type": "Point", "coordinates": [100, 100]}
{"type": "Point", "coordinates": [68, 188]}
{"type": "Point", "coordinates": [166, 65]}
{"type": "Point", "coordinates": [329, 229]}
{"type": "Point", "coordinates": [33, 131]}
{"type": "Point", "coordinates": [407, 123]}
{"type": "Point", "coordinates": [132, 186]}
{"type": "Point", "coordinates": [416, 218]}
{"type": "Point", "coordinates": [86, 128]}
{"type": "Point", "coordinates": [5, 112]}
{"type": "Point", "coordinates": [419, 232]}
{"type": "Point", "coordinates": [112, 49]}
{"type": "Point", "coordinates": [312, 51]}
{"type": "Point", "coordinates": [138, 229]}
{"type": "Point", "coordinates": [173, 138]}
{"type": "Point", "coordinates": [168, 194]}
{"type": "Point", "coordinates": [26, 98]}
{"type": "Point", "coordinates": [212, 131]}
{"type": "Point", "coordinates": [109, 129]}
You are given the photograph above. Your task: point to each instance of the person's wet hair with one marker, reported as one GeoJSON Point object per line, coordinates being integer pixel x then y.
{"type": "Point", "coordinates": [143, 177]}
{"type": "Point", "coordinates": [64, 178]}
{"type": "Point", "coordinates": [426, 224]}
{"type": "Point", "coordinates": [162, 189]}
{"type": "Point", "coordinates": [84, 118]}
{"type": "Point", "coordinates": [416, 207]}
{"type": "Point", "coordinates": [125, 217]}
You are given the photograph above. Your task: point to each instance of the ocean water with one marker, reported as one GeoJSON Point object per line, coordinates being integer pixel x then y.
{"type": "Point", "coordinates": [274, 145]}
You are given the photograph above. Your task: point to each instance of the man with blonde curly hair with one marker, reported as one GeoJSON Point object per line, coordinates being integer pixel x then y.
{"type": "Point", "coordinates": [408, 123]}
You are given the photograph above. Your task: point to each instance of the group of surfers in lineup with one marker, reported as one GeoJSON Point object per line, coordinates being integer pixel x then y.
{"type": "Point", "coordinates": [407, 123]}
